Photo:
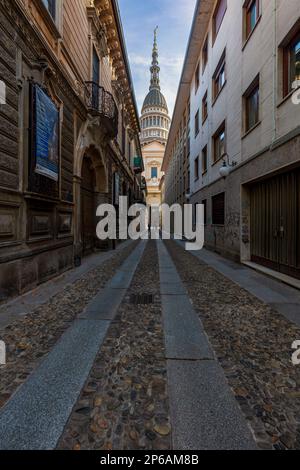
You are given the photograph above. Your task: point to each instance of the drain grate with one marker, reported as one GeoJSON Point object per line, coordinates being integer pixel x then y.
{"type": "Point", "coordinates": [141, 299]}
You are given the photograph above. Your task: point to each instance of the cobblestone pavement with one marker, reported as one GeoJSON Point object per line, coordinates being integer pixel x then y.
{"type": "Point", "coordinates": [253, 345]}
{"type": "Point", "coordinates": [29, 338]}
{"type": "Point", "coordinates": [124, 404]}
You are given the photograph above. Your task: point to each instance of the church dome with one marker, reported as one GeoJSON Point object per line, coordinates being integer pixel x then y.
{"type": "Point", "coordinates": [155, 98]}
{"type": "Point", "coordinates": [155, 120]}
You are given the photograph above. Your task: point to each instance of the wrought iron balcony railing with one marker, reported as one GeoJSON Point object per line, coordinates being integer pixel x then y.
{"type": "Point", "coordinates": [101, 102]}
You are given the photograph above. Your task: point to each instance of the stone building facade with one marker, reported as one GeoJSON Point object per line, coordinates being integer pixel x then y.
{"type": "Point", "coordinates": [69, 133]}
{"type": "Point", "coordinates": [155, 124]}
{"type": "Point", "coordinates": [240, 85]}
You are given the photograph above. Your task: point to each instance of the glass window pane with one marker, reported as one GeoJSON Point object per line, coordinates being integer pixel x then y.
{"type": "Point", "coordinates": [154, 172]}
{"type": "Point", "coordinates": [295, 61]}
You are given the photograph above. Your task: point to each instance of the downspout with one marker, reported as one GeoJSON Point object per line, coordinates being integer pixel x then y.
{"type": "Point", "coordinates": [275, 76]}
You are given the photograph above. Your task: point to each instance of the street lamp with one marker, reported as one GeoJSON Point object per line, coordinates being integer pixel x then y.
{"type": "Point", "coordinates": [227, 166]}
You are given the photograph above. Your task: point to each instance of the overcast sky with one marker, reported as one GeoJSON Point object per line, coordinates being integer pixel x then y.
{"type": "Point", "coordinates": [174, 19]}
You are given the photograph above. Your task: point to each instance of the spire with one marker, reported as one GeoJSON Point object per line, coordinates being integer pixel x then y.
{"type": "Point", "coordinates": [155, 69]}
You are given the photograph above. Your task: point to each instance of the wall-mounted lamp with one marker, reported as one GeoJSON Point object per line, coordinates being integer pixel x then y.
{"type": "Point", "coordinates": [227, 166]}
{"type": "Point", "coordinates": [188, 196]}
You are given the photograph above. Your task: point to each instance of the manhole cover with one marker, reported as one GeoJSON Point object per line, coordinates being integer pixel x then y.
{"type": "Point", "coordinates": [141, 299]}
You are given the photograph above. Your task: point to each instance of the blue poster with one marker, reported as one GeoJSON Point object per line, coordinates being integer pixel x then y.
{"type": "Point", "coordinates": [46, 135]}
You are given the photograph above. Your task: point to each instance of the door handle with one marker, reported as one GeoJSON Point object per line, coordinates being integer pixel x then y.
{"type": "Point", "coordinates": [282, 232]}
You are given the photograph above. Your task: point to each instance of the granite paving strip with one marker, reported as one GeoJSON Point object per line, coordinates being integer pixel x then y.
{"type": "Point", "coordinates": [283, 298]}
{"type": "Point", "coordinates": [253, 344]}
{"type": "Point", "coordinates": [204, 412]}
{"type": "Point", "coordinates": [29, 338]}
{"type": "Point", "coordinates": [24, 304]}
{"type": "Point", "coordinates": [35, 416]}
{"type": "Point", "coordinates": [124, 403]}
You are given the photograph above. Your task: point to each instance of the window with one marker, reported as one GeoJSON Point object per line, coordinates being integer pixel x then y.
{"type": "Point", "coordinates": [197, 78]}
{"type": "Point", "coordinates": [251, 103]}
{"type": "Point", "coordinates": [96, 67]}
{"type": "Point", "coordinates": [51, 7]}
{"type": "Point", "coordinates": [218, 209]}
{"type": "Point", "coordinates": [196, 168]}
{"type": "Point", "coordinates": [204, 108]}
{"type": "Point", "coordinates": [218, 16]}
{"type": "Point", "coordinates": [154, 172]}
{"type": "Point", "coordinates": [129, 150]}
{"type": "Point", "coordinates": [197, 126]}
{"type": "Point", "coordinates": [204, 160]}
{"type": "Point", "coordinates": [205, 54]}
{"type": "Point", "coordinates": [219, 143]}
{"type": "Point", "coordinates": [219, 77]}
{"type": "Point", "coordinates": [291, 64]}
{"type": "Point", "coordinates": [251, 14]}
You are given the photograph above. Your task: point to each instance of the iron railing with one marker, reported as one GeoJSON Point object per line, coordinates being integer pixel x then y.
{"type": "Point", "coordinates": [101, 102]}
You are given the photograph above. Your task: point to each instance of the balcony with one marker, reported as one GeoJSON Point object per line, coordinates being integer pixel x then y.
{"type": "Point", "coordinates": [101, 103]}
{"type": "Point", "coordinates": [138, 165]}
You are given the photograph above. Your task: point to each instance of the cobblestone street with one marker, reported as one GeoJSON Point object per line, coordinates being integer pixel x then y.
{"type": "Point", "coordinates": [149, 230]}
{"type": "Point", "coordinates": [172, 355]}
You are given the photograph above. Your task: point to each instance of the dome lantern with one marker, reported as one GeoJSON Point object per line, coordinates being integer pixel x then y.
{"type": "Point", "coordinates": [155, 121]}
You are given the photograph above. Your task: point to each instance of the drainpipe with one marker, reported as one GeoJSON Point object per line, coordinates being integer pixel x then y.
{"type": "Point", "coordinates": [275, 75]}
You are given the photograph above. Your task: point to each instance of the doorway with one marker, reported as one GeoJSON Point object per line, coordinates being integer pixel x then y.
{"type": "Point", "coordinates": [88, 216]}
{"type": "Point", "coordinates": [275, 223]}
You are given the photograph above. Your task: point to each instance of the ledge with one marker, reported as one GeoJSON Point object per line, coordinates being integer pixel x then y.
{"type": "Point", "coordinates": [291, 281]}
{"type": "Point", "coordinates": [251, 130]}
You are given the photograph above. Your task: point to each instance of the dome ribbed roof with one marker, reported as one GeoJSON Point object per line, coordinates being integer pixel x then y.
{"type": "Point", "coordinates": [155, 98]}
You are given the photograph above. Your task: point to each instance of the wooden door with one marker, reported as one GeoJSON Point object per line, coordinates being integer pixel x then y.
{"type": "Point", "coordinates": [275, 219]}
{"type": "Point", "coordinates": [88, 217]}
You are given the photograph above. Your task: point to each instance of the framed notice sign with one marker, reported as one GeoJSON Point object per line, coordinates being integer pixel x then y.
{"type": "Point", "coordinates": [46, 135]}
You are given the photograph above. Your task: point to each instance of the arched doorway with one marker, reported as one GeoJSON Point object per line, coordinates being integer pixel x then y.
{"type": "Point", "coordinates": [88, 204]}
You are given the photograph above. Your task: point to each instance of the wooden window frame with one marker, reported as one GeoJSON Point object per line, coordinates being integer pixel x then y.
{"type": "Point", "coordinates": [215, 79]}
{"type": "Point", "coordinates": [287, 83]}
{"type": "Point", "coordinates": [255, 85]}
{"type": "Point", "coordinates": [197, 123]}
{"type": "Point", "coordinates": [215, 29]}
{"type": "Point", "coordinates": [52, 8]}
{"type": "Point", "coordinates": [205, 54]}
{"type": "Point", "coordinates": [204, 153]}
{"type": "Point", "coordinates": [53, 18]}
{"type": "Point", "coordinates": [247, 17]}
{"type": "Point", "coordinates": [197, 78]}
{"type": "Point", "coordinates": [220, 130]}
{"type": "Point", "coordinates": [205, 107]}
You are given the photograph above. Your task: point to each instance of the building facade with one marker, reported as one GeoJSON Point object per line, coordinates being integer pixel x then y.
{"type": "Point", "coordinates": [155, 124]}
{"type": "Point", "coordinates": [69, 134]}
{"type": "Point", "coordinates": [240, 83]}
